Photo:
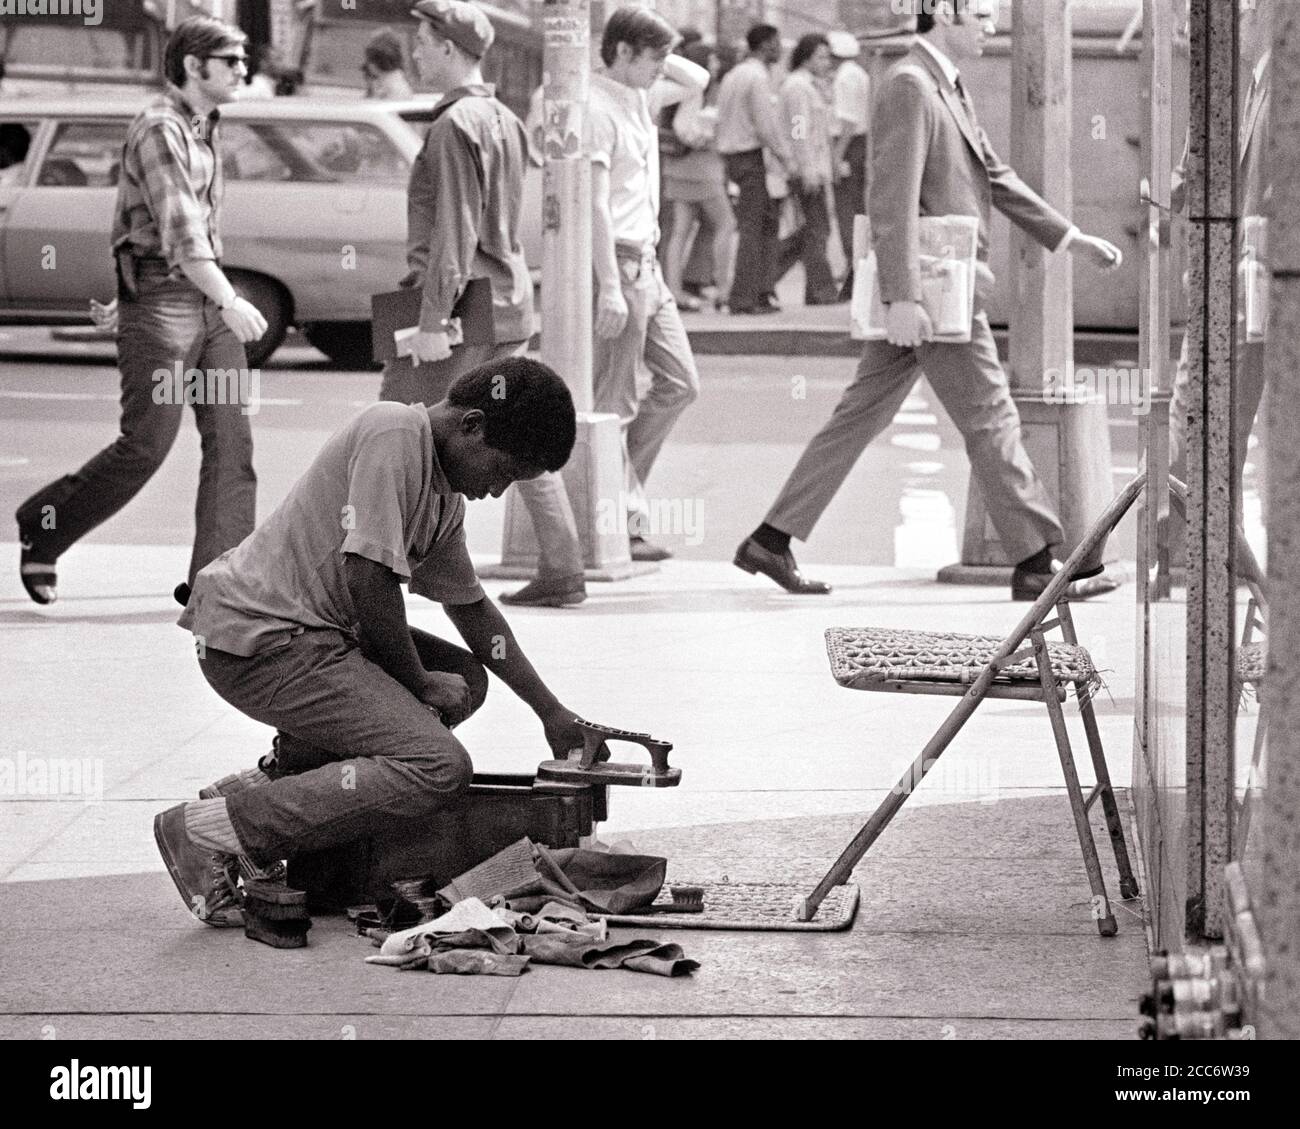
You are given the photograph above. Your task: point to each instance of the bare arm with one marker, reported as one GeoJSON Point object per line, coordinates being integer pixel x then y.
{"type": "Point", "coordinates": [386, 639]}
{"type": "Point", "coordinates": [602, 230]}
{"type": "Point", "coordinates": [381, 611]}
{"type": "Point", "coordinates": [490, 640]}
{"type": "Point", "coordinates": [488, 636]}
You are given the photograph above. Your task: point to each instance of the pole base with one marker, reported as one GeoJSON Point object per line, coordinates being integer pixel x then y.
{"type": "Point", "coordinates": [594, 482]}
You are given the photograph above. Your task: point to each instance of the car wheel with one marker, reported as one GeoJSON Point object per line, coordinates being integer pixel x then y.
{"type": "Point", "coordinates": [273, 302]}
{"type": "Point", "coordinates": [346, 343]}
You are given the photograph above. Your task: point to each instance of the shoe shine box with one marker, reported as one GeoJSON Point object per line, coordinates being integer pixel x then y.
{"type": "Point", "coordinates": [498, 810]}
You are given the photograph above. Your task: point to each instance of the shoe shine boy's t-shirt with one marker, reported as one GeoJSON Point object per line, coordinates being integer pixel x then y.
{"type": "Point", "coordinates": [375, 490]}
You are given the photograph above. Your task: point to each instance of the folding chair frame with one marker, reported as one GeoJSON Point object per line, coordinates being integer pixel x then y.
{"type": "Point", "coordinates": [1032, 627]}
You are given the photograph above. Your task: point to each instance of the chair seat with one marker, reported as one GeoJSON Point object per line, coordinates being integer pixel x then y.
{"type": "Point", "coordinates": [1251, 658]}
{"type": "Point", "coordinates": [866, 658]}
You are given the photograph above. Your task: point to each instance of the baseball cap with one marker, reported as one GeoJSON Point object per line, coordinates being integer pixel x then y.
{"type": "Point", "coordinates": [464, 24]}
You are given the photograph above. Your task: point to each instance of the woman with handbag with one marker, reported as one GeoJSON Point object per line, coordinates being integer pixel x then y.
{"type": "Point", "coordinates": [695, 182]}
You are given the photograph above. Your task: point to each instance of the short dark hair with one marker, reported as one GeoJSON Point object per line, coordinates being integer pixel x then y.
{"type": "Point", "coordinates": [806, 48]}
{"type": "Point", "coordinates": [639, 28]}
{"type": "Point", "coordinates": [384, 51]}
{"type": "Point", "coordinates": [199, 36]}
{"type": "Point", "coordinates": [529, 411]}
{"type": "Point", "coordinates": [925, 13]}
{"type": "Point", "coordinates": [760, 34]}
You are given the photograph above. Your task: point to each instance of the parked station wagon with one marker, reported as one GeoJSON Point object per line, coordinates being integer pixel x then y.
{"type": "Point", "coordinates": [314, 220]}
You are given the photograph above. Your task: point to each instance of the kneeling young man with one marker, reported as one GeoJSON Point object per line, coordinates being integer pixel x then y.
{"type": "Point", "coordinates": [303, 627]}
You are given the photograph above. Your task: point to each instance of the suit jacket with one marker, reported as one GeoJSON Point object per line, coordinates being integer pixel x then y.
{"type": "Point", "coordinates": [929, 159]}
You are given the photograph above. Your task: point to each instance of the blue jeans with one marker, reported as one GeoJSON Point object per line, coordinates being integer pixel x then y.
{"type": "Point", "coordinates": [355, 748]}
{"type": "Point", "coordinates": [168, 322]}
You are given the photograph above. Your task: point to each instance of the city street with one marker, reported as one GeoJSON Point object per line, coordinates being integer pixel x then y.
{"type": "Point", "coordinates": [721, 468]}
{"type": "Point", "coordinates": [780, 764]}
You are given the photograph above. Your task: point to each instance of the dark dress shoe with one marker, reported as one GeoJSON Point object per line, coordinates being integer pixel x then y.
{"type": "Point", "coordinates": [642, 550]}
{"type": "Point", "coordinates": [38, 577]}
{"type": "Point", "coordinates": [753, 558]}
{"type": "Point", "coordinates": [762, 308]}
{"type": "Point", "coordinates": [567, 592]}
{"type": "Point", "coordinates": [1028, 586]}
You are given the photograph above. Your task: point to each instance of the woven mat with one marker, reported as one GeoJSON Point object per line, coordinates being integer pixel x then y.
{"type": "Point", "coordinates": [860, 656]}
{"type": "Point", "coordinates": [755, 906]}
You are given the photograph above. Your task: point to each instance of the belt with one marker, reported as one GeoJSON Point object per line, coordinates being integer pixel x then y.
{"type": "Point", "coordinates": [633, 252]}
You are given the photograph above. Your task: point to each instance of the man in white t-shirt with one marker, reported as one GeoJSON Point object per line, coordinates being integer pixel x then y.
{"type": "Point", "coordinates": [636, 321]}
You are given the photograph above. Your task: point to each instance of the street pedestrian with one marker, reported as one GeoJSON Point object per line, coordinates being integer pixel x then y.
{"type": "Point", "coordinates": [851, 103]}
{"type": "Point", "coordinates": [807, 120]}
{"type": "Point", "coordinates": [749, 126]}
{"type": "Point", "coordinates": [695, 184]}
{"type": "Point", "coordinates": [382, 67]}
{"type": "Point", "coordinates": [930, 157]}
{"type": "Point", "coordinates": [177, 311]}
{"type": "Point", "coordinates": [463, 218]}
{"type": "Point", "coordinates": [636, 318]}
{"type": "Point", "coordinates": [303, 627]}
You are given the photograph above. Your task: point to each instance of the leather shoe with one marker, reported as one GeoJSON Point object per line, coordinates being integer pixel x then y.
{"type": "Point", "coordinates": [566, 592]}
{"type": "Point", "coordinates": [39, 578]}
{"type": "Point", "coordinates": [781, 567]}
{"type": "Point", "coordinates": [1028, 586]}
{"type": "Point", "coordinates": [642, 550]}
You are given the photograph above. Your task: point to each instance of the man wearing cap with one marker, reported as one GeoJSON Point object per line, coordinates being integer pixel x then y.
{"type": "Point", "coordinates": [463, 211]}
{"type": "Point", "coordinates": [851, 103]}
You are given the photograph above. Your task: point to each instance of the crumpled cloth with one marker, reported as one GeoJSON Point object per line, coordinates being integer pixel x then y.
{"type": "Point", "coordinates": [472, 962]}
{"type": "Point", "coordinates": [636, 954]}
{"type": "Point", "coordinates": [478, 933]}
{"type": "Point", "coordinates": [596, 881]}
{"type": "Point", "coordinates": [467, 919]}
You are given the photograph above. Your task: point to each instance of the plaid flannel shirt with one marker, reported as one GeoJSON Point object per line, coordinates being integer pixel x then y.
{"type": "Point", "coordinates": [169, 193]}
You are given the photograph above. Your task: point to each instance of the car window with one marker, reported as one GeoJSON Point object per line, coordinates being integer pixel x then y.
{"type": "Point", "coordinates": [353, 151]}
{"type": "Point", "coordinates": [312, 152]}
{"type": "Point", "coordinates": [16, 139]}
{"type": "Point", "coordinates": [248, 152]}
{"type": "Point", "coordinates": [84, 155]}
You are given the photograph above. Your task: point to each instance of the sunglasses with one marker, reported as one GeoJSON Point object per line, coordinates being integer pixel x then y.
{"type": "Point", "coordinates": [231, 61]}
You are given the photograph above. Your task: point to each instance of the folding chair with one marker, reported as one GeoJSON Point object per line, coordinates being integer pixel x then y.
{"type": "Point", "coordinates": [1024, 666]}
{"type": "Point", "coordinates": [1250, 662]}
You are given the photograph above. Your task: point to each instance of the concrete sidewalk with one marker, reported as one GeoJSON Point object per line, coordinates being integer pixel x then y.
{"type": "Point", "coordinates": [975, 916]}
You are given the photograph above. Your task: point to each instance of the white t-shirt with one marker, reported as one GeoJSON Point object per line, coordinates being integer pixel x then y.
{"type": "Point", "coordinates": [624, 140]}
{"type": "Point", "coordinates": [851, 90]}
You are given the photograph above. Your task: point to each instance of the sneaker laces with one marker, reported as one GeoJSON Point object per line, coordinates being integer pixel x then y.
{"type": "Point", "coordinates": [276, 871]}
{"type": "Point", "coordinates": [223, 882]}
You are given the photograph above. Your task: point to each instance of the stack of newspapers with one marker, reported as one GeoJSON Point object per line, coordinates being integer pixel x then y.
{"type": "Point", "coordinates": [947, 263]}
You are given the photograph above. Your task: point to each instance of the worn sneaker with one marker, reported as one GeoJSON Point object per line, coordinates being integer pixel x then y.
{"type": "Point", "coordinates": [206, 880]}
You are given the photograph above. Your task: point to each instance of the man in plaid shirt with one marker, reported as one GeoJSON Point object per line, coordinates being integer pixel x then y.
{"type": "Point", "coordinates": [175, 308]}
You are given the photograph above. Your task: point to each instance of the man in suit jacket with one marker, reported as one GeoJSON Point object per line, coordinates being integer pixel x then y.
{"type": "Point", "coordinates": [930, 157]}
